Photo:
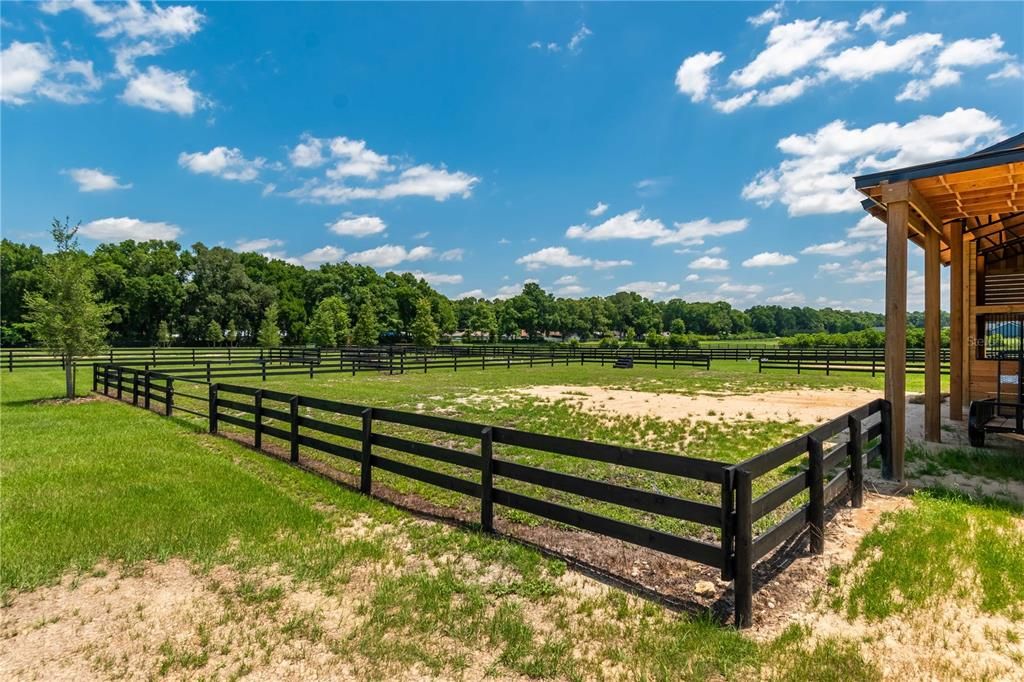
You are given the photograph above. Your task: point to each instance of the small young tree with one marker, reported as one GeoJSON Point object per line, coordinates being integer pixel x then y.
{"type": "Point", "coordinates": [330, 326]}
{"type": "Point", "coordinates": [269, 336]}
{"type": "Point", "coordinates": [65, 313]}
{"type": "Point", "coordinates": [231, 335]}
{"type": "Point", "coordinates": [424, 330]}
{"type": "Point", "coordinates": [163, 334]}
{"type": "Point", "coordinates": [366, 331]}
{"type": "Point", "coordinates": [214, 333]}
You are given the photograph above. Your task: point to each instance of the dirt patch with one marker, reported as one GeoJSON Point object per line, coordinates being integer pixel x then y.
{"type": "Point", "coordinates": [68, 401]}
{"type": "Point", "coordinates": [974, 486]}
{"type": "Point", "coordinates": [806, 406]}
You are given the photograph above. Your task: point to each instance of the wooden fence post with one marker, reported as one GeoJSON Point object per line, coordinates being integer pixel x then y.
{"type": "Point", "coordinates": [135, 388]}
{"type": "Point", "coordinates": [257, 408]}
{"type": "Point", "coordinates": [487, 479]}
{"type": "Point", "coordinates": [10, 361]}
{"type": "Point", "coordinates": [365, 482]}
{"type": "Point", "coordinates": [816, 507]}
{"type": "Point", "coordinates": [170, 397]}
{"type": "Point", "coordinates": [743, 582]}
{"type": "Point", "coordinates": [856, 464]}
{"type": "Point", "coordinates": [146, 392]}
{"type": "Point", "coordinates": [728, 534]}
{"type": "Point", "coordinates": [208, 377]}
{"type": "Point", "coordinates": [294, 405]}
{"type": "Point", "coordinates": [95, 377]}
{"type": "Point", "coordinates": [119, 382]}
{"type": "Point", "coordinates": [263, 367]}
{"type": "Point", "coordinates": [213, 408]}
{"type": "Point", "coordinates": [886, 444]}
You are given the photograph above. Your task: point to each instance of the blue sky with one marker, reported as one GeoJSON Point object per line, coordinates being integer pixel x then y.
{"type": "Point", "coordinates": [697, 150]}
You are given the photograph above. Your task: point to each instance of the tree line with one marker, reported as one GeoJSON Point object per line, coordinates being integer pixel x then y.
{"type": "Point", "coordinates": [160, 293]}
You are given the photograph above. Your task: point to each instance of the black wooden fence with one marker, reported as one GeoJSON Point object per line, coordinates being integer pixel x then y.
{"type": "Point", "coordinates": [835, 453]}
{"type": "Point", "coordinates": [828, 363]}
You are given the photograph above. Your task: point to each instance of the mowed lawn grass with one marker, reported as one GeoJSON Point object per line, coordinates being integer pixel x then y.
{"type": "Point", "coordinates": [91, 483]}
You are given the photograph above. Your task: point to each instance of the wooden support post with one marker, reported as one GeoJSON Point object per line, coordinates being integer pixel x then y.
{"type": "Point", "coordinates": [365, 480]}
{"type": "Point", "coordinates": [135, 388]}
{"type": "Point", "coordinates": [257, 408]}
{"type": "Point", "coordinates": [728, 476]}
{"type": "Point", "coordinates": [816, 507]}
{"type": "Point", "coordinates": [293, 404]}
{"type": "Point", "coordinates": [119, 383]}
{"type": "Point", "coordinates": [956, 321]}
{"type": "Point", "coordinates": [855, 448]}
{"type": "Point", "coordinates": [932, 341]}
{"type": "Point", "coordinates": [743, 583]}
{"type": "Point", "coordinates": [169, 405]}
{"type": "Point", "coordinates": [896, 327]}
{"type": "Point", "coordinates": [487, 479]}
{"type": "Point", "coordinates": [212, 408]}
{"type": "Point", "coordinates": [95, 377]}
{"type": "Point", "coordinates": [146, 393]}
{"type": "Point", "coordinates": [886, 444]}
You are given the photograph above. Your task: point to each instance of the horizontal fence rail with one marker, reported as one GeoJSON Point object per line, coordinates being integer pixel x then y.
{"type": "Point", "coordinates": [835, 455]}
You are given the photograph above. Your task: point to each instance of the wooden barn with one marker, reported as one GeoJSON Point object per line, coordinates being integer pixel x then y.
{"type": "Point", "coordinates": [967, 214]}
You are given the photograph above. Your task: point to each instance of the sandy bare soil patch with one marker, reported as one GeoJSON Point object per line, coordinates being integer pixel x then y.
{"type": "Point", "coordinates": [807, 406]}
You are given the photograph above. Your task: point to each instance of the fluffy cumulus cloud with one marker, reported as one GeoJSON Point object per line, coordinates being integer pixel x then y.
{"type": "Point", "coordinates": [355, 159]}
{"type": "Point", "coordinates": [599, 209]}
{"type": "Point", "coordinates": [693, 77]}
{"type": "Point", "coordinates": [30, 70]}
{"type": "Point", "coordinates": [817, 175]}
{"type": "Point", "coordinates": [321, 255]}
{"type": "Point", "coordinates": [839, 248]}
{"type": "Point", "coordinates": [631, 225]}
{"type": "Point", "coordinates": [650, 289]}
{"type": "Point", "coordinates": [709, 263]}
{"type": "Point", "coordinates": [561, 257]}
{"type": "Point", "coordinates": [389, 255]}
{"type": "Point", "coordinates": [787, 298]}
{"type": "Point", "coordinates": [119, 229]}
{"type": "Point", "coordinates": [769, 259]}
{"type": "Point", "coordinates": [868, 227]}
{"type": "Point", "coordinates": [740, 290]}
{"type": "Point", "coordinates": [357, 226]}
{"type": "Point", "coordinates": [472, 293]}
{"type": "Point", "coordinates": [223, 162]}
{"type": "Point", "coordinates": [807, 53]}
{"type": "Point", "coordinates": [160, 90]}
{"type": "Point", "coordinates": [95, 180]}
{"type": "Point", "coordinates": [452, 255]}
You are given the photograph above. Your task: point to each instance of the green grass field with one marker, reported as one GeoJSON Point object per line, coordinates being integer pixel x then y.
{"type": "Point", "coordinates": [100, 491]}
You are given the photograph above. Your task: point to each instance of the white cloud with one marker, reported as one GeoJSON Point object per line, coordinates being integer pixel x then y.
{"type": "Point", "coordinates": [769, 16]}
{"type": "Point", "coordinates": [790, 47]}
{"type": "Point", "coordinates": [785, 92]}
{"type": "Point", "coordinates": [627, 225]}
{"type": "Point", "coordinates": [839, 248]}
{"type": "Point", "coordinates": [919, 89]}
{"type": "Point", "coordinates": [133, 19]}
{"type": "Point", "coordinates": [560, 257]}
{"type": "Point", "coordinates": [862, 272]}
{"type": "Point", "coordinates": [650, 289]}
{"type": "Point", "coordinates": [788, 297]}
{"type": "Point", "coordinates": [692, 277]}
{"type": "Point", "coordinates": [165, 91]}
{"type": "Point", "coordinates": [95, 180]}
{"type": "Point", "coordinates": [388, 256]}
{"type": "Point", "coordinates": [565, 280]}
{"type": "Point", "coordinates": [876, 20]}
{"type": "Point", "coordinates": [119, 229]}
{"type": "Point", "coordinates": [743, 290]}
{"type": "Point", "coordinates": [599, 209]}
{"type": "Point", "coordinates": [818, 176]}
{"type": "Point", "coordinates": [576, 42]}
{"type": "Point", "coordinates": [728, 106]}
{"type": "Point", "coordinates": [32, 69]}
{"type": "Point", "coordinates": [709, 263]}
{"type": "Point", "coordinates": [357, 226]}
{"type": "Point", "coordinates": [973, 52]}
{"type": "Point", "coordinates": [769, 259]}
{"type": "Point", "coordinates": [696, 231]}
{"type": "Point", "coordinates": [863, 63]}
{"type": "Point", "coordinates": [693, 77]}
{"type": "Point", "coordinates": [308, 153]}
{"type": "Point", "coordinates": [258, 245]}
{"type": "Point", "coordinates": [472, 293]}
{"type": "Point", "coordinates": [426, 181]}
{"type": "Point", "coordinates": [324, 254]}
{"type": "Point", "coordinates": [435, 278]}
{"type": "Point", "coordinates": [571, 290]}
{"type": "Point", "coordinates": [356, 160]}
{"type": "Point", "coordinates": [452, 255]}
{"type": "Point", "coordinates": [1010, 71]}
{"type": "Point", "coordinates": [223, 162]}
{"type": "Point", "coordinates": [868, 227]}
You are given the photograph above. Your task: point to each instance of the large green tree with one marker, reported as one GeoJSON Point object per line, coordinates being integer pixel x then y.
{"type": "Point", "coordinates": [424, 330]}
